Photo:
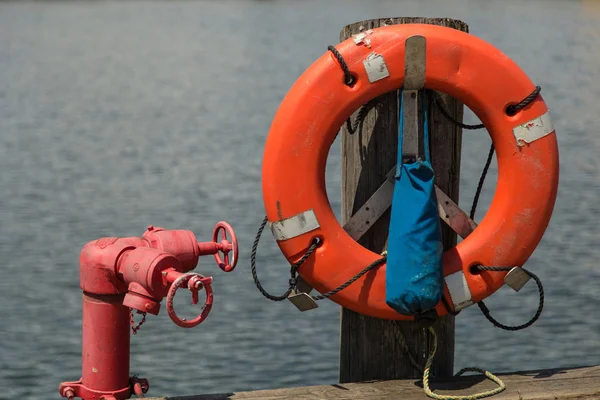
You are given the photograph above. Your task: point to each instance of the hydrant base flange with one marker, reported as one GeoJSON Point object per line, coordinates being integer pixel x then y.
{"type": "Point", "coordinates": [81, 391]}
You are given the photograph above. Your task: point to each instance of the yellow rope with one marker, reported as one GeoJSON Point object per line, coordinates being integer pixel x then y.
{"type": "Point", "coordinates": [481, 395]}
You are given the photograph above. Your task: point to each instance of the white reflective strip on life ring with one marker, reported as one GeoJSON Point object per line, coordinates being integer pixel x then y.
{"type": "Point", "coordinates": [459, 290]}
{"type": "Point", "coordinates": [297, 225]}
{"type": "Point", "coordinates": [533, 130]}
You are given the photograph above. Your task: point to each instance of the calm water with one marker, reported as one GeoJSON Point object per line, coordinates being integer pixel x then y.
{"type": "Point", "coordinates": [114, 116]}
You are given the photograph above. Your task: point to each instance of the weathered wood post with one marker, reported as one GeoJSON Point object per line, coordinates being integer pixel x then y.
{"type": "Point", "coordinates": [373, 349]}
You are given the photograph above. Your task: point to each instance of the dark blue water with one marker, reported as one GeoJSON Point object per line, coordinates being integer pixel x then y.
{"type": "Point", "coordinates": [114, 116]}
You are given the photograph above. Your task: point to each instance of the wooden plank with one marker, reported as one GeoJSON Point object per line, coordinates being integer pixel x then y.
{"type": "Point", "coordinates": [372, 348]}
{"type": "Point", "coordinates": [556, 384]}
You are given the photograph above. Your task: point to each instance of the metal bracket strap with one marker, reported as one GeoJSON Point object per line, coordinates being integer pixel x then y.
{"type": "Point", "coordinates": [411, 132]}
{"type": "Point", "coordinates": [381, 200]}
{"type": "Point", "coordinates": [453, 215]}
{"type": "Point", "coordinates": [373, 208]}
{"type": "Point", "coordinates": [414, 80]}
{"type": "Point", "coordinates": [414, 62]}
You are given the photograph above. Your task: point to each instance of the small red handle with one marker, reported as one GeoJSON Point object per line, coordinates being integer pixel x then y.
{"type": "Point", "coordinates": [226, 263]}
{"type": "Point", "coordinates": [194, 282]}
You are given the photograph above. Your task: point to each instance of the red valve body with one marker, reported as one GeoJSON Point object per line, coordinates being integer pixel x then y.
{"type": "Point", "coordinates": [117, 274]}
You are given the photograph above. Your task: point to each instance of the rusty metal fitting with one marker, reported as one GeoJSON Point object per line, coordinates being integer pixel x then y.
{"type": "Point", "coordinates": [68, 393]}
{"type": "Point", "coordinates": [140, 386]}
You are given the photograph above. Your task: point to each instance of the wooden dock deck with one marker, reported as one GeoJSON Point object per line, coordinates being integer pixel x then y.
{"type": "Point", "coordinates": [555, 384]}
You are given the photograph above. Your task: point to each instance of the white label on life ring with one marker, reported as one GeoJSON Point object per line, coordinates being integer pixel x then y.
{"type": "Point", "coordinates": [375, 67]}
{"type": "Point", "coordinates": [297, 225]}
{"type": "Point", "coordinates": [459, 290]}
{"type": "Point", "coordinates": [533, 130]}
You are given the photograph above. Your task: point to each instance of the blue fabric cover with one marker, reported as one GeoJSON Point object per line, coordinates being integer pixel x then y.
{"type": "Point", "coordinates": [414, 276]}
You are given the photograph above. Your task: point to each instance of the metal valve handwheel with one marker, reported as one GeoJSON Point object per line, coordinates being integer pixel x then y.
{"type": "Point", "coordinates": [226, 263]}
{"type": "Point", "coordinates": [194, 282]}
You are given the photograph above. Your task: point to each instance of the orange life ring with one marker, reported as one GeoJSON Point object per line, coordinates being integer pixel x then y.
{"type": "Point", "coordinates": [308, 120]}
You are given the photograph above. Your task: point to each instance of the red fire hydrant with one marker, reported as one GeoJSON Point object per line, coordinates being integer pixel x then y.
{"type": "Point", "coordinates": [118, 275]}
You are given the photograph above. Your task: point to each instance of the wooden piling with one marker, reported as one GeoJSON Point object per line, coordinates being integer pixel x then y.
{"type": "Point", "coordinates": [372, 349]}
